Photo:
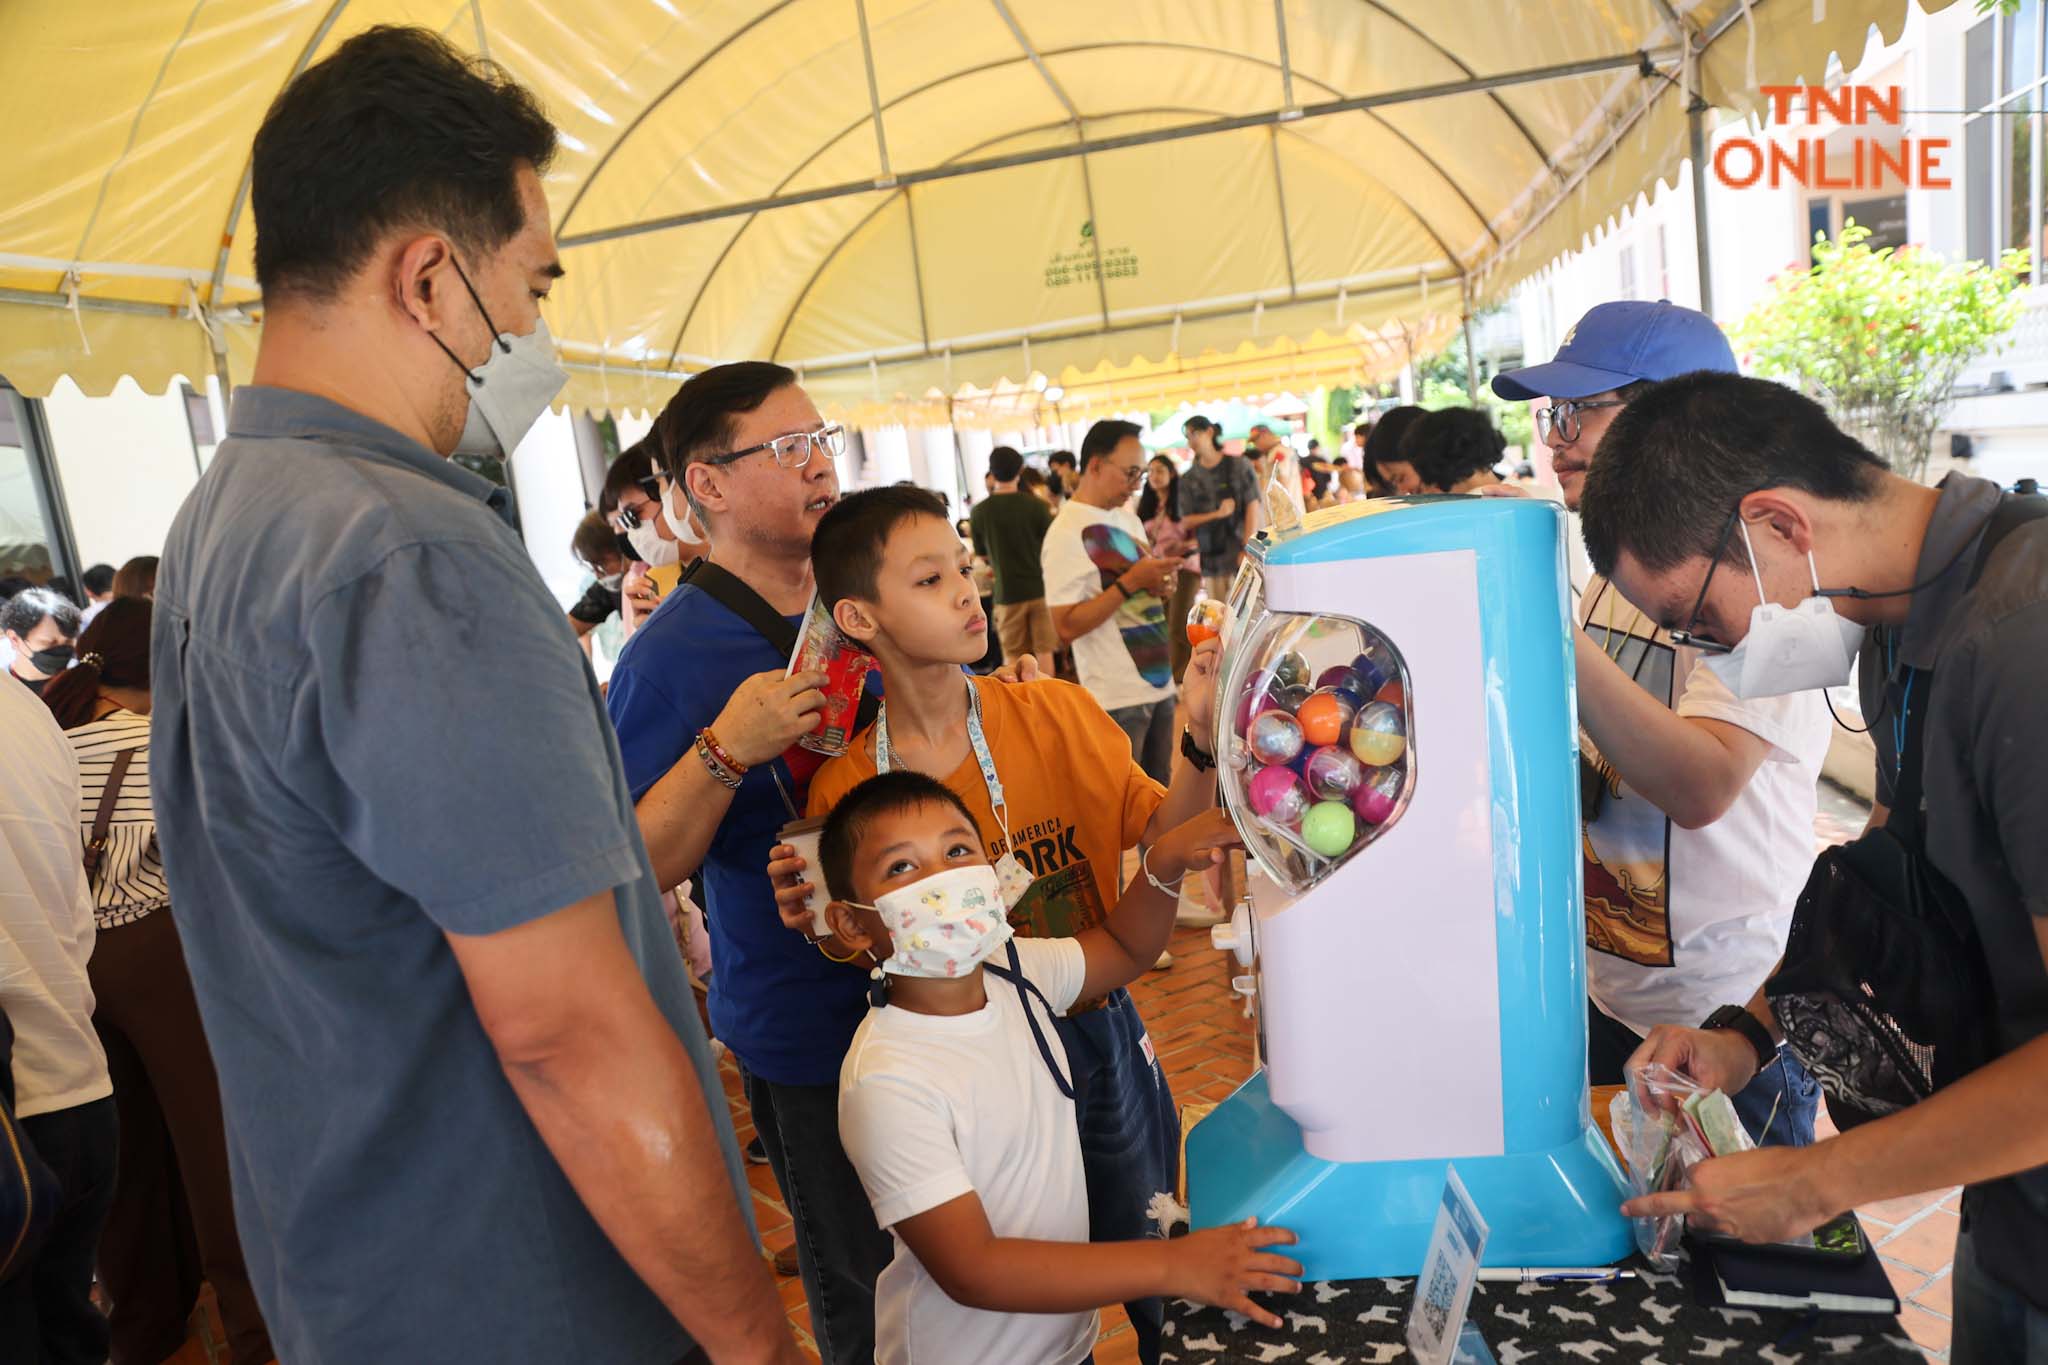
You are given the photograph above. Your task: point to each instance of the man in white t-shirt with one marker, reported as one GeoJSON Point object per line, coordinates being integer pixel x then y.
{"type": "Point", "coordinates": [1108, 595]}
{"type": "Point", "coordinates": [58, 1081]}
{"type": "Point", "coordinates": [1698, 805]}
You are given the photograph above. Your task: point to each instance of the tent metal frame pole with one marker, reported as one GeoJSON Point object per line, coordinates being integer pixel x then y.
{"type": "Point", "coordinates": [1703, 238]}
{"type": "Point", "coordinates": [1636, 60]}
{"type": "Point", "coordinates": [134, 308]}
{"type": "Point", "coordinates": [1286, 64]}
{"type": "Point", "coordinates": [867, 58]}
{"type": "Point", "coordinates": [1471, 356]}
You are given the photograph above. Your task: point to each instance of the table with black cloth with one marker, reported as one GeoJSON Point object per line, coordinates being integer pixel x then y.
{"type": "Point", "coordinates": [1653, 1319]}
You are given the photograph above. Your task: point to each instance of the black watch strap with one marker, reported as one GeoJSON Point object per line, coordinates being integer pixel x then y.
{"type": "Point", "coordinates": [1118, 584]}
{"type": "Point", "coordinates": [1738, 1018]}
{"type": "Point", "coordinates": [1203, 762]}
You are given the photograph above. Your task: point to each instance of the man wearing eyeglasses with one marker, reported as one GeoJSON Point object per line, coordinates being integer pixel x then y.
{"type": "Point", "coordinates": [1792, 550]}
{"type": "Point", "coordinates": [1108, 595]}
{"type": "Point", "coordinates": [1698, 805]}
{"type": "Point", "coordinates": [707, 725]}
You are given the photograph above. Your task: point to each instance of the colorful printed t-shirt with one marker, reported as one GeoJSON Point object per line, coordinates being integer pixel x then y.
{"type": "Point", "coordinates": [1683, 921]}
{"type": "Point", "coordinates": [1126, 660]}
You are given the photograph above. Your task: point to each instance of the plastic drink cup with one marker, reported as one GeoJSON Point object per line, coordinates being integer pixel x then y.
{"type": "Point", "coordinates": [802, 835]}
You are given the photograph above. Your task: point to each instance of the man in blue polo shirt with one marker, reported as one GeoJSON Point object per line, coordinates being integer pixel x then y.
{"type": "Point", "coordinates": [472, 1114]}
{"type": "Point", "coordinates": [707, 720]}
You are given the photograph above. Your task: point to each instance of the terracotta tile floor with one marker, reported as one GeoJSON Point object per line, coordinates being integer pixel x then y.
{"type": "Point", "coordinates": [1205, 1043]}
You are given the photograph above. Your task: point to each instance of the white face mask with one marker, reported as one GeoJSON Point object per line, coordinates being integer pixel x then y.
{"type": "Point", "coordinates": [1788, 649]}
{"type": "Point", "coordinates": [676, 507]}
{"type": "Point", "coordinates": [650, 547]}
{"type": "Point", "coordinates": [510, 392]}
{"type": "Point", "coordinates": [945, 925]}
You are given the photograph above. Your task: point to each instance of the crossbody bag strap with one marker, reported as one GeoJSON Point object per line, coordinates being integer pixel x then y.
{"type": "Point", "coordinates": [103, 818]}
{"type": "Point", "coordinates": [1026, 988]}
{"type": "Point", "coordinates": [732, 593]}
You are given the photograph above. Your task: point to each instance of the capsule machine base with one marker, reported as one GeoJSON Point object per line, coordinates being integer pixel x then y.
{"type": "Point", "coordinates": [1398, 748]}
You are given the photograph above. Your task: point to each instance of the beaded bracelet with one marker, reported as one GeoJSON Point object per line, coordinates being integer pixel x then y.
{"type": "Point", "coordinates": [712, 764]}
{"type": "Point", "coordinates": [720, 752]}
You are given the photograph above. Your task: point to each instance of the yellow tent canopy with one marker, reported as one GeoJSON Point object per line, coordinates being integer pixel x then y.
{"type": "Point", "coordinates": [919, 204]}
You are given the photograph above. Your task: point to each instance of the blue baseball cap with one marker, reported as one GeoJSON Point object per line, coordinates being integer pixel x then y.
{"type": "Point", "coordinates": [1618, 343]}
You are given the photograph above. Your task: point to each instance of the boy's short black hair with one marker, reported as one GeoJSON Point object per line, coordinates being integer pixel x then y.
{"type": "Point", "coordinates": [846, 549]}
{"type": "Point", "coordinates": [99, 578]}
{"type": "Point", "coordinates": [1006, 463]}
{"type": "Point", "coordinates": [1680, 457]}
{"type": "Point", "coordinates": [1384, 441]}
{"type": "Point", "coordinates": [881, 795]}
{"type": "Point", "coordinates": [1104, 437]}
{"type": "Point", "coordinates": [396, 129]}
{"type": "Point", "coordinates": [1060, 457]}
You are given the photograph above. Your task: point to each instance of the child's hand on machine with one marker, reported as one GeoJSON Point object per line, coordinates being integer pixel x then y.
{"type": "Point", "coordinates": [1222, 1266]}
{"type": "Point", "coordinates": [1194, 845]}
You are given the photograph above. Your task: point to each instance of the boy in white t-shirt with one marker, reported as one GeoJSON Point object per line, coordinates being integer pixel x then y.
{"type": "Point", "coordinates": [956, 1102]}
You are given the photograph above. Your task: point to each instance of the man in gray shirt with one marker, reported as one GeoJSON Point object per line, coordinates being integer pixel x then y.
{"type": "Point", "coordinates": [1714, 495]}
{"type": "Point", "coordinates": [471, 1111]}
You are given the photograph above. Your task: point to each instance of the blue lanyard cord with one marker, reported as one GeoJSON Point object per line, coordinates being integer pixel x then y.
{"type": "Point", "coordinates": [1891, 664]}
{"type": "Point", "coordinates": [885, 757]}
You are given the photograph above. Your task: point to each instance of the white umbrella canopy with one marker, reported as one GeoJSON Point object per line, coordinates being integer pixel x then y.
{"type": "Point", "coordinates": [907, 200]}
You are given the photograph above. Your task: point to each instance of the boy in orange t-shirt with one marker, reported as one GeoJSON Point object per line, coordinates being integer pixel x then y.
{"type": "Point", "coordinates": [898, 581]}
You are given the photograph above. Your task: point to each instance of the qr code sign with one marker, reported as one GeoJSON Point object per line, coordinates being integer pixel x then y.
{"type": "Point", "coordinates": [1436, 1299]}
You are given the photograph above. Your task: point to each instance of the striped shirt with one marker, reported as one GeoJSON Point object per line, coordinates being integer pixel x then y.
{"type": "Point", "coordinates": [131, 882]}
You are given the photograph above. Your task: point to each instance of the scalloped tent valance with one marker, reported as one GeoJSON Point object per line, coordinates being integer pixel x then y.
{"type": "Point", "coordinates": [911, 201]}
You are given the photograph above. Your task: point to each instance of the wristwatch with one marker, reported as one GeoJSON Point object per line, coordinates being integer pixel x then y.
{"type": "Point", "coordinates": [1193, 754]}
{"type": "Point", "coordinates": [1738, 1018]}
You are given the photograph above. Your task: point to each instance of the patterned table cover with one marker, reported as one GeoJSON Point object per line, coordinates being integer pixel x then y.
{"type": "Point", "coordinates": [1650, 1320]}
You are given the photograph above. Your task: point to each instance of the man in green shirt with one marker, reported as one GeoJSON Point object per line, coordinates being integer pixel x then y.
{"type": "Point", "coordinates": [1008, 527]}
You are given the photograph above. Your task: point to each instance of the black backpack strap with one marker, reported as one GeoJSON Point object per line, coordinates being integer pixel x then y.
{"type": "Point", "coordinates": [742, 601]}
{"type": "Point", "coordinates": [1026, 988]}
{"type": "Point", "coordinates": [735, 596]}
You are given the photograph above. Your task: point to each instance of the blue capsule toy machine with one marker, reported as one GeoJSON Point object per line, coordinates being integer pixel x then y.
{"type": "Point", "coordinates": [1399, 747]}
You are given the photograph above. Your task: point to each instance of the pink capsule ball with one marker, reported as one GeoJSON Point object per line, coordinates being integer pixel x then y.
{"type": "Point", "coordinates": [1377, 795]}
{"type": "Point", "coordinates": [1277, 795]}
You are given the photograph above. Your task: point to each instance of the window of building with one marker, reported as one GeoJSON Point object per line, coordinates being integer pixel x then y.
{"type": "Point", "coordinates": [34, 543]}
{"type": "Point", "coordinates": [2002, 87]}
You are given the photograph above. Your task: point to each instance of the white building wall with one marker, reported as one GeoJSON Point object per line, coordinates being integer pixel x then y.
{"type": "Point", "coordinates": [125, 462]}
{"type": "Point", "coordinates": [548, 483]}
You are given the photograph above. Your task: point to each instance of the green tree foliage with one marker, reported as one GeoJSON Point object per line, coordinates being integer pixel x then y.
{"type": "Point", "coordinates": [1879, 337]}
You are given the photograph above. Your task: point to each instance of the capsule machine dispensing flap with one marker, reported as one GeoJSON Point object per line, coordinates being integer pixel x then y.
{"type": "Point", "coordinates": [1397, 745]}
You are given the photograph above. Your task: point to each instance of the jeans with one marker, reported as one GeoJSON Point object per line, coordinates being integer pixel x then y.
{"type": "Point", "coordinates": [1130, 1136]}
{"type": "Point", "coordinates": [1994, 1325]}
{"type": "Point", "coordinates": [46, 1312]}
{"type": "Point", "coordinates": [1785, 1085]}
{"type": "Point", "coordinates": [839, 1250]}
{"type": "Point", "coordinates": [1150, 728]}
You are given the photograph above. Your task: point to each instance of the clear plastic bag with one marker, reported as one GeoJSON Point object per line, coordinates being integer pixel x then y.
{"type": "Point", "coordinates": [1665, 1123]}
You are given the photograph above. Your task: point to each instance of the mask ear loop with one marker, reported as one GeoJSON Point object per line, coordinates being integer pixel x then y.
{"type": "Point", "coordinates": [1755, 572]}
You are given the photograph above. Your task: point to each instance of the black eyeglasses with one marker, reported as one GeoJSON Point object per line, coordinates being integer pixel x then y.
{"type": "Point", "coordinates": [629, 517]}
{"type": "Point", "coordinates": [1690, 637]}
{"type": "Point", "coordinates": [793, 451]}
{"type": "Point", "coordinates": [1563, 417]}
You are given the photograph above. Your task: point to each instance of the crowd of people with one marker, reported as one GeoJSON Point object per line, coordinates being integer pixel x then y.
{"type": "Point", "coordinates": [338, 946]}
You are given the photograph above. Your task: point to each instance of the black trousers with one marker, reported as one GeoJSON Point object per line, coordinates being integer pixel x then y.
{"type": "Point", "coordinates": [46, 1312]}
